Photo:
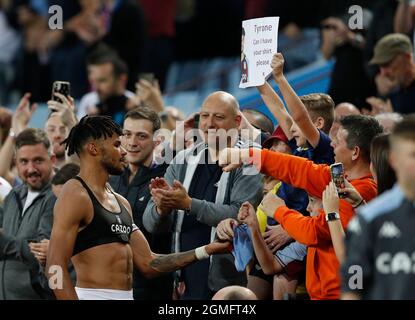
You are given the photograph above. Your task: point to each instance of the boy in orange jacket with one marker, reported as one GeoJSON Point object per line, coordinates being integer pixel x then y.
{"type": "Point", "coordinates": [352, 148]}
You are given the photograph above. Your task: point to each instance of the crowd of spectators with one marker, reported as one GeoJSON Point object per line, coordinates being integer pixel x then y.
{"type": "Point", "coordinates": [268, 189]}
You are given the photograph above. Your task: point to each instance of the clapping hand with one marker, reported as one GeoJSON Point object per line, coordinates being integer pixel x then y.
{"type": "Point", "coordinates": [23, 114]}
{"type": "Point", "coordinates": [40, 250]}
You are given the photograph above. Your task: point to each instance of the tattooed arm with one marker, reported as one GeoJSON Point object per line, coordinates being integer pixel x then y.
{"type": "Point", "coordinates": [152, 265]}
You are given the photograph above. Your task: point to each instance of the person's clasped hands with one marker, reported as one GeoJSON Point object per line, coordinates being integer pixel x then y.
{"type": "Point", "coordinates": [168, 198]}
{"type": "Point", "coordinates": [40, 250]}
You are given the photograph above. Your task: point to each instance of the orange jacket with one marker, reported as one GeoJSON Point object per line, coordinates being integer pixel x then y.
{"type": "Point", "coordinates": [322, 272]}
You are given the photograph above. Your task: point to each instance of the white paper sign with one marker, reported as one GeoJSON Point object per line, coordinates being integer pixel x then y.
{"type": "Point", "coordinates": [258, 45]}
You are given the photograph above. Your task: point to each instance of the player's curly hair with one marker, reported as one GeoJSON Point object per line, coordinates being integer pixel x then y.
{"type": "Point", "coordinates": [90, 127]}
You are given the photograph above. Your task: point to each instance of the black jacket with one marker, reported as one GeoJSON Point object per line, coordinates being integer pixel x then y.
{"type": "Point", "coordinates": [127, 36]}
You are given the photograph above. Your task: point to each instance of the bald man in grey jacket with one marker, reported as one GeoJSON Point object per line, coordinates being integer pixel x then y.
{"type": "Point", "coordinates": [195, 195]}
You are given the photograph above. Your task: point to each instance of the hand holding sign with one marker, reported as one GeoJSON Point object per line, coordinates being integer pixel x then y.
{"type": "Point", "coordinates": [259, 43]}
{"type": "Point", "coordinates": [277, 65]}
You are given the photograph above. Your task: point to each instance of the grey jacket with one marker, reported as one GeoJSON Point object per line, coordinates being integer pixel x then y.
{"type": "Point", "coordinates": [233, 189]}
{"type": "Point", "coordinates": [18, 266]}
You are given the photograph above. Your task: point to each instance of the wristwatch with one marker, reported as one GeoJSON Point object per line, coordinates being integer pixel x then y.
{"type": "Point", "coordinates": [332, 216]}
{"type": "Point", "coordinates": [12, 134]}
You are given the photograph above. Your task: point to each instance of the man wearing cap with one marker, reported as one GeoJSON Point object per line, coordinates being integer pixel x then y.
{"type": "Point", "coordinates": [394, 55]}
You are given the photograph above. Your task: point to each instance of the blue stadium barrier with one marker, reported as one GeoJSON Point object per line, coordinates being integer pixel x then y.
{"type": "Point", "coordinates": [312, 78]}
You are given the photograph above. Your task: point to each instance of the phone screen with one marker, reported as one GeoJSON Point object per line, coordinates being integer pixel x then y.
{"type": "Point", "coordinates": [163, 116]}
{"type": "Point", "coordinates": [337, 175]}
{"type": "Point", "coordinates": [197, 118]}
{"type": "Point", "coordinates": [61, 87]}
{"type": "Point", "coordinates": [146, 76]}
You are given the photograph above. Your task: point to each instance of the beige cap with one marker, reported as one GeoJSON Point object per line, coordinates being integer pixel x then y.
{"type": "Point", "coordinates": [390, 46]}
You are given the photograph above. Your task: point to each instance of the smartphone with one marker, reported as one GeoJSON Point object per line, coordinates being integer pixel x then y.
{"type": "Point", "coordinates": [197, 118]}
{"type": "Point", "coordinates": [61, 87]}
{"type": "Point", "coordinates": [196, 135]}
{"type": "Point", "coordinates": [337, 175]}
{"type": "Point", "coordinates": [163, 116]}
{"type": "Point", "coordinates": [146, 76]}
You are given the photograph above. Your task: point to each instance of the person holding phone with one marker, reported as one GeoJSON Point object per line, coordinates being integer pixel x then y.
{"type": "Point", "coordinates": [62, 87]}
{"type": "Point", "coordinates": [60, 121]}
{"type": "Point", "coordinates": [380, 239]}
{"type": "Point", "coordinates": [331, 203]}
{"type": "Point", "coordinates": [148, 92]}
{"type": "Point", "coordinates": [331, 207]}
{"type": "Point", "coordinates": [385, 179]}
{"type": "Point", "coordinates": [108, 75]}
{"type": "Point", "coordinates": [306, 123]}
{"type": "Point", "coordinates": [352, 148]}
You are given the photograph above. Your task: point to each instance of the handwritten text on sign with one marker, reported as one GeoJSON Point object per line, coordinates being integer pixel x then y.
{"type": "Point", "coordinates": [259, 43]}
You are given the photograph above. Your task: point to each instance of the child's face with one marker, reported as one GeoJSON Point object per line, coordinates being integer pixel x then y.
{"type": "Point", "coordinates": [269, 184]}
{"type": "Point", "coordinates": [298, 135]}
{"type": "Point", "coordinates": [280, 146]}
{"type": "Point", "coordinates": [314, 206]}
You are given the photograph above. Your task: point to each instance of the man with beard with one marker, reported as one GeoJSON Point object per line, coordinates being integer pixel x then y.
{"type": "Point", "coordinates": [139, 129]}
{"type": "Point", "coordinates": [60, 121]}
{"type": "Point", "coordinates": [93, 226]}
{"type": "Point", "coordinates": [108, 76]}
{"type": "Point", "coordinates": [394, 55]}
{"type": "Point", "coordinates": [26, 216]}
{"type": "Point", "coordinates": [57, 131]}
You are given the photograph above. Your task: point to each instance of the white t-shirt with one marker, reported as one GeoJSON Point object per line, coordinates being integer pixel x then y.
{"type": "Point", "coordinates": [5, 188]}
{"type": "Point", "coordinates": [91, 99]}
{"type": "Point", "coordinates": [31, 195]}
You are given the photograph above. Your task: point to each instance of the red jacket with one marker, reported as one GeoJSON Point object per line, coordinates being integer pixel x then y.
{"type": "Point", "coordinates": [322, 272]}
